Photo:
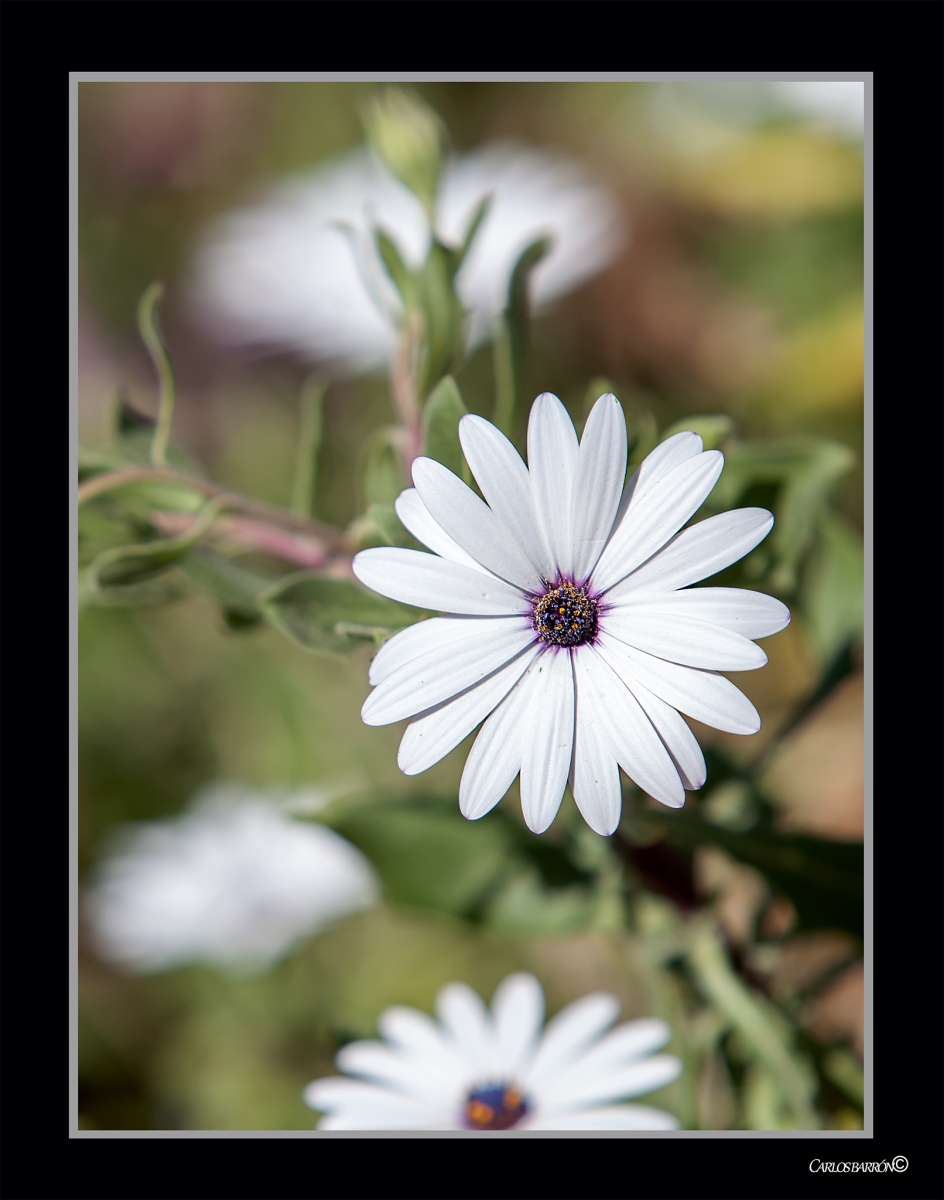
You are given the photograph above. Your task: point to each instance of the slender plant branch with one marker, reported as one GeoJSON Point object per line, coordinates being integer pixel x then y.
{"type": "Point", "coordinates": [271, 513]}
{"type": "Point", "coordinates": [309, 440]}
{"type": "Point", "coordinates": [403, 375]}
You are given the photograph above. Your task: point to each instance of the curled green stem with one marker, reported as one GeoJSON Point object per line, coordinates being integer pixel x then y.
{"type": "Point", "coordinates": [147, 325]}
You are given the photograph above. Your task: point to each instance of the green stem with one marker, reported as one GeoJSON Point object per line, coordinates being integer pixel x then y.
{"type": "Point", "coordinates": [147, 325]}
{"type": "Point", "coordinates": [100, 484]}
{"type": "Point", "coordinates": [306, 454]}
{"type": "Point", "coordinates": [720, 985]}
{"type": "Point", "coordinates": [504, 413]}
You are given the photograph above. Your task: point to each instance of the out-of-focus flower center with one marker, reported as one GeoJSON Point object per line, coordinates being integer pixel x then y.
{"type": "Point", "coordinates": [565, 616]}
{"type": "Point", "coordinates": [496, 1107]}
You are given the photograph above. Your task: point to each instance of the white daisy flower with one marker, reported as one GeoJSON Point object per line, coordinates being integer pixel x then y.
{"type": "Point", "coordinates": [568, 629]}
{"type": "Point", "coordinates": [300, 271]}
{"type": "Point", "coordinates": [476, 1069]}
{"type": "Point", "coordinates": [233, 882]}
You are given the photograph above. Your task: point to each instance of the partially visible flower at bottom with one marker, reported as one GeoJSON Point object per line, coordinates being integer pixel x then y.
{"type": "Point", "coordinates": [488, 1070]}
{"type": "Point", "coordinates": [234, 882]}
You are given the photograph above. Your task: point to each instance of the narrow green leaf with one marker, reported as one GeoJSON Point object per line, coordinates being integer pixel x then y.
{"type": "Point", "coordinates": [441, 416]}
{"type": "Point", "coordinates": [321, 613]}
{"type": "Point", "coordinates": [510, 356]}
{"type": "Point", "coordinates": [397, 269]}
{"type": "Point", "coordinates": [833, 591]}
{"type": "Point", "coordinates": [474, 226]}
{"type": "Point", "coordinates": [381, 466]}
{"type": "Point", "coordinates": [756, 1022]}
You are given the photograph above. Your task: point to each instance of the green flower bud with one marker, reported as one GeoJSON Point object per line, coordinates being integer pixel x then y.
{"type": "Point", "coordinates": [410, 138]}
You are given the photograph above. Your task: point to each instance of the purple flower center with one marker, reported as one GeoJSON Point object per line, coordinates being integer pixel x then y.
{"type": "Point", "coordinates": [497, 1106]}
{"type": "Point", "coordinates": [566, 615]}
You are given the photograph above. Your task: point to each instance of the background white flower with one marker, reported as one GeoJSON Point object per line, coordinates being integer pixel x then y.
{"type": "Point", "coordinates": [232, 881]}
{"type": "Point", "coordinates": [481, 1069]}
{"type": "Point", "coordinates": [299, 270]}
{"type": "Point", "coordinates": [568, 631]}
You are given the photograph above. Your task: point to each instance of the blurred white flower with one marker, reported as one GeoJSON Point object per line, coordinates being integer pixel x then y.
{"type": "Point", "coordinates": [233, 881]}
{"type": "Point", "coordinates": [299, 270]}
{"type": "Point", "coordinates": [838, 105]}
{"type": "Point", "coordinates": [480, 1069]}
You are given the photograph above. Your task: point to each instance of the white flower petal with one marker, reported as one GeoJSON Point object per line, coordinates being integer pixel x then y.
{"type": "Point", "coordinates": [419, 1035]}
{"type": "Point", "coordinates": [470, 522]}
{"type": "Point", "coordinates": [427, 581]}
{"type": "Point", "coordinates": [595, 772]}
{"type": "Point", "coordinates": [462, 1012]}
{"type": "Point", "coordinates": [664, 459]}
{"type": "Point", "coordinates": [495, 757]}
{"type": "Point", "coordinates": [426, 1080]}
{"type": "Point", "coordinates": [697, 552]}
{"type": "Point", "coordinates": [415, 516]}
{"type": "Point", "coordinates": [662, 511]}
{"type": "Point", "coordinates": [655, 466]}
{"type": "Point", "coordinates": [670, 725]}
{"type": "Point", "coordinates": [548, 742]}
{"type": "Point", "coordinates": [624, 1044]}
{"type": "Point", "coordinates": [751, 614]}
{"type": "Point", "coordinates": [436, 633]}
{"type": "Point", "coordinates": [567, 1033]}
{"type": "Point", "coordinates": [628, 731]}
{"type": "Point", "coordinates": [518, 1010]}
{"type": "Point", "coordinates": [634, 1079]}
{"type": "Point", "coordinates": [355, 1105]}
{"type": "Point", "coordinates": [595, 780]}
{"type": "Point", "coordinates": [552, 460]}
{"type": "Point", "coordinates": [617, 1116]}
{"type": "Point", "coordinates": [682, 639]}
{"type": "Point", "coordinates": [704, 695]}
{"type": "Point", "coordinates": [506, 486]}
{"type": "Point", "coordinates": [441, 673]}
{"type": "Point", "coordinates": [598, 483]}
{"type": "Point", "coordinates": [440, 729]}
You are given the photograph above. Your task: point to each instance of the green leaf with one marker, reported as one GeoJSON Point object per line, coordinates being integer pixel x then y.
{"type": "Point", "coordinates": [381, 467]}
{"type": "Point", "coordinates": [511, 342]}
{"type": "Point", "coordinates": [805, 471]}
{"type": "Point", "coordinates": [397, 269]}
{"type": "Point", "coordinates": [525, 907]}
{"type": "Point", "coordinates": [833, 592]}
{"type": "Point", "coordinates": [443, 315]}
{"type": "Point", "coordinates": [124, 565]}
{"type": "Point", "coordinates": [713, 430]}
{"type": "Point", "coordinates": [762, 1028]}
{"type": "Point", "coordinates": [321, 613]}
{"type": "Point", "coordinates": [441, 416]}
{"type": "Point", "coordinates": [429, 857]}
{"type": "Point", "coordinates": [235, 588]}
{"type": "Point", "coordinates": [473, 227]}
